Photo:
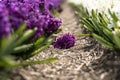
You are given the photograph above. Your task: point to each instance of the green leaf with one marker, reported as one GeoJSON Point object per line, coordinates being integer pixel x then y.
{"type": "Point", "coordinates": [21, 29]}
{"type": "Point", "coordinates": [108, 34]}
{"type": "Point", "coordinates": [97, 27]}
{"type": "Point", "coordinates": [80, 10]}
{"type": "Point", "coordinates": [116, 40]}
{"type": "Point", "coordinates": [94, 15]}
{"type": "Point", "coordinates": [103, 19]}
{"type": "Point", "coordinates": [7, 61]}
{"type": "Point", "coordinates": [37, 51]}
{"type": "Point", "coordinates": [22, 48]}
{"type": "Point", "coordinates": [26, 36]}
{"type": "Point", "coordinates": [88, 25]}
{"type": "Point", "coordinates": [41, 47]}
{"type": "Point", "coordinates": [40, 41]}
{"type": "Point", "coordinates": [7, 45]}
{"type": "Point", "coordinates": [103, 41]}
{"type": "Point", "coordinates": [26, 63]}
{"type": "Point", "coordinates": [113, 15]}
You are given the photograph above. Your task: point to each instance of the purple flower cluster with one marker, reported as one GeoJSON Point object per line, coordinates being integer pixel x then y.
{"type": "Point", "coordinates": [52, 27]}
{"type": "Point", "coordinates": [64, 42]}
{"type": "Point", "coordinates": [4, 21]}
{"type": "Point", "coordinates": [54, 4]}
{"type": "Point", "coordinates": [36, 13]}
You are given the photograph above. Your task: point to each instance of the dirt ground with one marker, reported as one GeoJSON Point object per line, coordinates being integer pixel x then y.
{"type": "Point", "coordinates": [87, 60]}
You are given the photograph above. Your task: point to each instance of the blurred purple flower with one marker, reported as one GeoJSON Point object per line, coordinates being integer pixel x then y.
{"type": "Point", "coordinates": [51, 26]}
{"type": "Point", "coordinates": [64, 42]}
{"type": "Point", "coordinates": [4, 21]}
{"type": "Point", "coordinates": [54, 4]}
{"type": "Point", "coordinates": [33, 12]}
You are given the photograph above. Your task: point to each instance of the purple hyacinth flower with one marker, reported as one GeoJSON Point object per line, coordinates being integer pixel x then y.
{"type": "Point", "coordinates": [4, 21]}
{"type": "Point", "coordinates": [64, 42]}
{"type": "Point", "coordinates": [51, 26]}
{"type": "Point", "coordinates": [54, 4]}
{"type": "Point", "coordinates": [33, 12]}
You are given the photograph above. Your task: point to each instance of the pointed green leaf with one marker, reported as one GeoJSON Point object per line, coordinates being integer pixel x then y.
{"type": "Point", "coordinates": [88, 25]}
{"type": "Point", "coordinates": [26, 36]}
{"type": "Point", "coordinates": [103, 41]}
{"type": "Point", "coordinates": [22, 48]}
{"type": "Point", "coordinates": [26, 63]}
{"type": "Point", "coordinates": [116, 40]}
{"type": "Point", "coordinates": [39, 42]}
{"type": "Point", "coordinates": [113, 15]}
{"type": "Point", "coordinates": [21, 29]}
{"type": "Point", "coordinates": [108, 34]}
{"type": "Point", "coordinates": [7, 45]}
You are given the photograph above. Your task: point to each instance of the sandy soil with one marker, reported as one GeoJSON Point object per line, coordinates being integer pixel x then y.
{"type": "Point", "coordinates": [87, 60]}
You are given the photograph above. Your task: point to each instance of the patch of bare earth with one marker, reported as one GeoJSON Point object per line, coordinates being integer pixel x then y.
{"type": "Point", "coordinates": [87, 60]}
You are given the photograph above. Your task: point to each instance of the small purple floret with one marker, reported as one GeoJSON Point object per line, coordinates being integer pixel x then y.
{"type": "Point", "coordinates": [64, 42]}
